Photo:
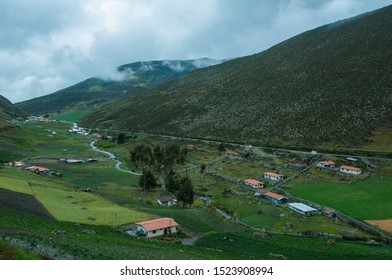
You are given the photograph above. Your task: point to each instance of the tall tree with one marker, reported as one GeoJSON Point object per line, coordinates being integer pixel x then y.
{"type": "Point", "coordinates": [121, 138]}
{"type": "Point", "coordinates": [185, 194]}
{"type": "Point", "coordinates": [147, 181]}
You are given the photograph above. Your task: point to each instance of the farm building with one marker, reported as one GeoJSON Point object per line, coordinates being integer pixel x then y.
{"type": "Point", "coordinates": [232, 154]}
{"type": "Point", "coordinates": [37, 169]}
{"type": "Point", "coordinates": [157, 227]}
{"type": "Point", "coordinates": [254, 183]}
{"type": "Point", "coordinates": [166, 200]}
{"type": "Point", "coordinates": [326, 164]}
{"type": "Point", "coordinates": [274, 197]}
{"type": "Point", "coordinates": [302, 208]}
{"type": "Point", "coordinates": [273, 176]}
{"type": "Point", "coordinates": [350, 170]}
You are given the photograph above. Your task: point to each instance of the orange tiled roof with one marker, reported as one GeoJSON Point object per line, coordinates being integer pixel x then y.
{"type": "Point", "coordinates": [327, 162]}
{"type": "Point", "coordinates": [273, 174]}
{"type": "Point", "coordinates": [274, 195]}
{"type": "Point", "coordinates": [253, 182]}
{"type": "Point", "coordinates": [232, 153]}
{"type": "Point", "coordinates": [158, 224]}
{"type": "Point", "coordinates": [350, 168]}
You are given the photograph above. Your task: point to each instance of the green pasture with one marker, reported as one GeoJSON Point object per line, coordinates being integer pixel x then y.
{"type": "Point", "coordinates": [368, 199]}
{"type": "Point", "coordinates": [71, 116]}
{"type": "Point", "coordinates": [261, 213]}
{"type": "Point", "coordinates": [73, 204]}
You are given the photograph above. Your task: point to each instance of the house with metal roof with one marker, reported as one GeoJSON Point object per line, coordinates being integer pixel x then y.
{"type": "Point", "coordinates": [302, 208]}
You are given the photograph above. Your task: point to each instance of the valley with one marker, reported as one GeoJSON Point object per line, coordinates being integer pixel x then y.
{"type": "Point", "coordinates": [233, 212]}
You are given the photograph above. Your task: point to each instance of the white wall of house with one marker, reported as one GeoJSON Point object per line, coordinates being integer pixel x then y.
{"type": "Point", "coordinates": [349, 171]}
{"type": "Point", "coordinates": [161, 232]}
{"type": "Point", "coordinates": [273, 178]}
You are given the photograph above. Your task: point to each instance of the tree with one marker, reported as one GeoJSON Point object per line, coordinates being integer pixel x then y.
{"type": "Point", "coordinates": [203, 167]}
{"type": "Point", "coordinates": [147, 181]}
{"type": "Point", "coordinates": [185, 194]}
{"type": "Point", "coordinates": [121, 138]}
{"type": "Point", "coordinates": [172, 184]}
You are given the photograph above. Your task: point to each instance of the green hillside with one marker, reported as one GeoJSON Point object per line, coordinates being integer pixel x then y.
{"type": "Point", "coordinates": [9, 140]}
{"type": "Point", "coordinates": [328, 86]}
{"type": "Point", "coordinates": [133, 78]}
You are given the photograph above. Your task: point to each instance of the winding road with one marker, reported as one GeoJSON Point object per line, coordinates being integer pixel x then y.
{"type": "Point", "coordinates": [112, 157]}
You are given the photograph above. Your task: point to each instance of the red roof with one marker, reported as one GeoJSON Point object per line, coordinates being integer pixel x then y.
{"type": "Point", "coordinates": [350, 168]}
{"type": "Point", "coordinates": [232, 153]}
{"type": "Point", "coordinates": [275, 195]}
{"type": "Point", "coordinates": [273, 174]}
{"type": "Point", "coordinates": [327, 162]}
{"type": "Point", "coordinates": [158, 224]}
{"type": "Point", "coordinates": [297, 161]}
{"type": "Point", "coordinates": [253, 182]}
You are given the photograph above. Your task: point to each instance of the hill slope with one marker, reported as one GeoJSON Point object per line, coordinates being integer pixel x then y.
{"type": "Point", "coordinates": [9, 110]}
{"type": "Point", "coordinates": [330, 84]}
{"type": "Point", "coordinates": [135, 78]}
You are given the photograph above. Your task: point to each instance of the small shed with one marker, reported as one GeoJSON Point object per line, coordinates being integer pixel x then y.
{"type": "Point", "coordinates": [302, 208]}
{"type": "Point", "coordinates": [166, 200]}
{"type": "Point", "coordinates": [232, 154]}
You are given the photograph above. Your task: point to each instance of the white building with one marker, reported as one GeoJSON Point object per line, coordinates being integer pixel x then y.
{"type": "Point", "coordinates": [254, 183]}
{"type": "Point", "coordinates": [326, 164]}
{"type": "Point", "coordinates": [273, 176]}
{"type": "Point", "coordinates": [302, 208]}
{"type": "Point", "coordinates": [157, 227]}
{"type": "Point", "coordinates": [350, 170]}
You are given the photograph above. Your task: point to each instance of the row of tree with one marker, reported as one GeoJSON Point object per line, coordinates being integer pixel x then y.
{"type": "Point", "coordinates": [161, 161]}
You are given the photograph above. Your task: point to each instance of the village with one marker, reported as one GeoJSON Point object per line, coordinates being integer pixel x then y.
{"type": "Point", "coordinates": [247, 173]}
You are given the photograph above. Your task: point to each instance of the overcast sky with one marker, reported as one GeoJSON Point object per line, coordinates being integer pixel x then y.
{"type": "Point", "coordinates": [46, 45]}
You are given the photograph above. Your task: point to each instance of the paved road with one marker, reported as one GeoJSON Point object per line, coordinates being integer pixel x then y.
{"type": "Point", "coordinates": [112, 157]}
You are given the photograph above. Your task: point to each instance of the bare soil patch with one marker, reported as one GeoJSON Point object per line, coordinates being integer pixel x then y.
{"type": "Point", "coordinates": [385, 225]}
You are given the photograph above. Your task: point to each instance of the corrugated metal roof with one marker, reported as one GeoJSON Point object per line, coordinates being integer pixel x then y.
{"type": "Point", "coordinates": [302, 207]}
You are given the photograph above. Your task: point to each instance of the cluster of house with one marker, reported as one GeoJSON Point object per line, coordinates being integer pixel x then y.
{"type": "Point", "coordinates": [75, 129]}
{"type": "Point", "coordinates": [270, 176]}
{"type": "Point", "coordinates": [36, 169]}
{"type": "Point", "coordinates": [38, 119]}
{"type": "Point", "coordinates": [328, 164]}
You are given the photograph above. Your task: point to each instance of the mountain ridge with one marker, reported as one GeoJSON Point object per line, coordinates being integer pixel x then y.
{"type": "Point", "coordinates": [327, 85]}
{"type": "Point", "coordinates": [132, 78]}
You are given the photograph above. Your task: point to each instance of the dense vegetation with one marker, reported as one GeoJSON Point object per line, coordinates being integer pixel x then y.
{"type": "Point", "coordinates": [328, 85]}
{"type": "Point", "coordinates": [132, 78]}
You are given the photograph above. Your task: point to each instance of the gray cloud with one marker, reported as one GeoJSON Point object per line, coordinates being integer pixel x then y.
{"type": "Point", "coordinates": [48, 45]}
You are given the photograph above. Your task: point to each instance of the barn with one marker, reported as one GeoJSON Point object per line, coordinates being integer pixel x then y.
{"type": "Point", "coordinates": [302, 208]}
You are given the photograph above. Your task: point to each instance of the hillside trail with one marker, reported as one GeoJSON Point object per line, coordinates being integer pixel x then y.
{"type": "Point", "coordinates": [112, 157]}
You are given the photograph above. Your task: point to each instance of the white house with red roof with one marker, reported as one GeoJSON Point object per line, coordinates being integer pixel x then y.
{"type": "Point", "coordinates": [350, 170]}
{"type": "Point", "coordinates": [326, 164]}
{"type": "Point", "coordinates": [273, 176]}
{"type": "Point", "coordinates": [157, 227]}
{"type": "Point", "coordinates": [254, 183]}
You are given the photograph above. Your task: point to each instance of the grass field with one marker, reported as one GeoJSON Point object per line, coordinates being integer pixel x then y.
{"type": "Point", "coordinates": [368, 199]}
{"type": "Point", "coordinates": [74, 205]}
{"type": "Point", "coordinates": [71, 116]}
